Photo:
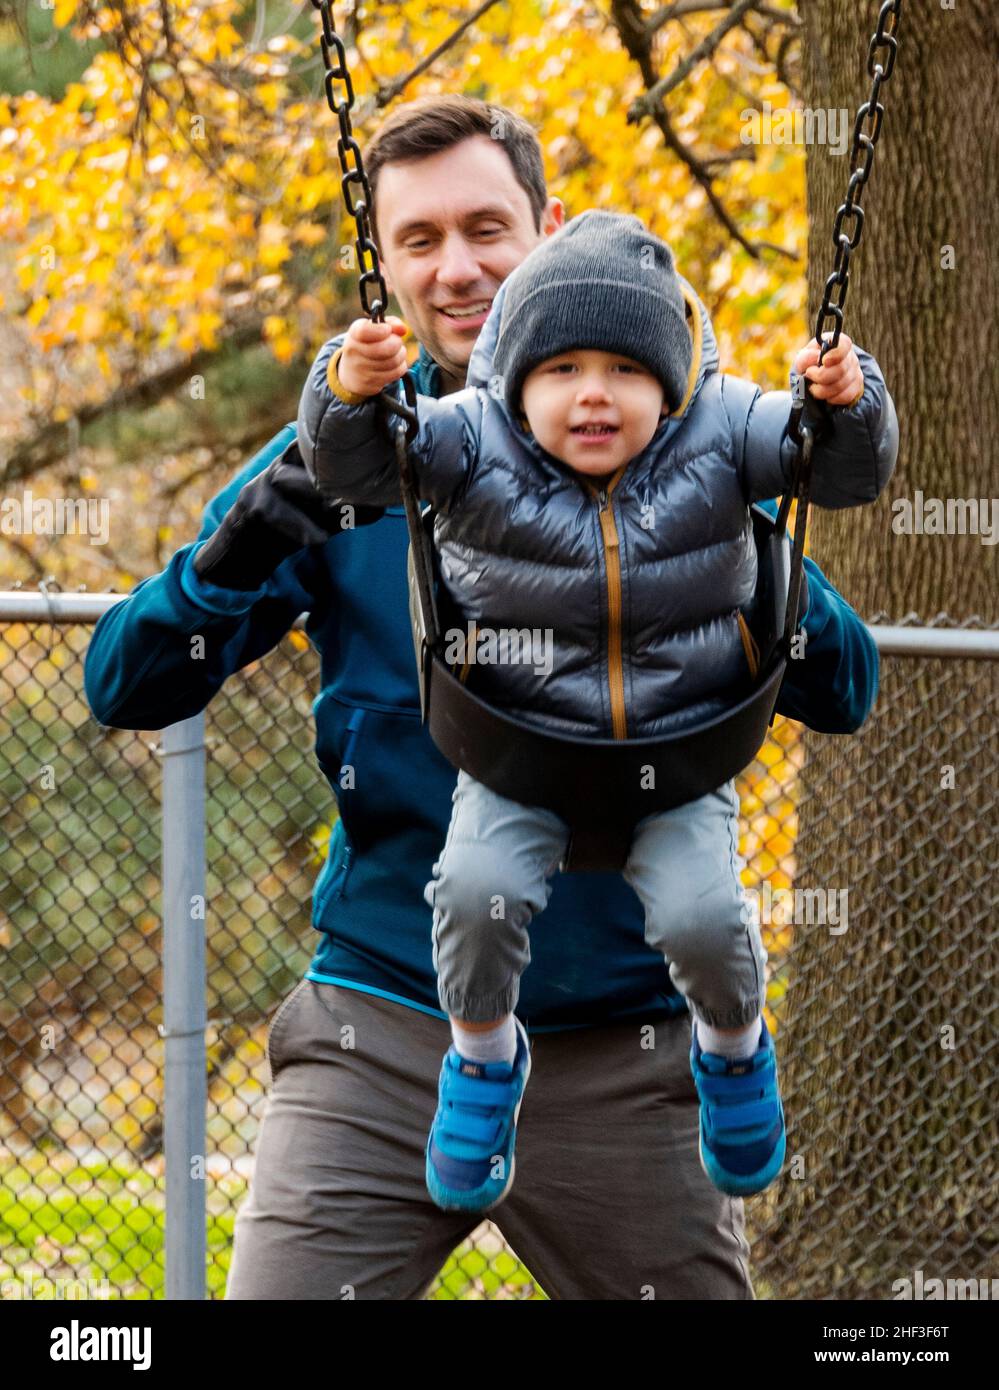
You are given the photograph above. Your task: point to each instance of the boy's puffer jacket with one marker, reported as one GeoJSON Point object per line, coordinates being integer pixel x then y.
{"type": "Point", "coordinates": [640, 579]}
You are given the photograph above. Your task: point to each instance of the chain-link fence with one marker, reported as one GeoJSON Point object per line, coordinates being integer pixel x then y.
{"type": "Point", "coordinates": [874, 860]}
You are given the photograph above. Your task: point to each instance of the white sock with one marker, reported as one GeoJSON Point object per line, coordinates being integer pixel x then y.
{"type": "Point", "coordinates": [742, 1044]}
{"type": "Point", "coordinates": [497, 1044]}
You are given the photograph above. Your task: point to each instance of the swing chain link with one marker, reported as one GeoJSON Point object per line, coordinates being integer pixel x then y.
{"type": "Point", "coordinates": [849, 221]}
{"type": "Point", "coordinates": [846, 238]}
{"type": "Point", "coordinates": [871, 113]}
{"type": "Point", "coordinates": [809, 416]}
{"type": "Point", "coordinates": [352, 164]}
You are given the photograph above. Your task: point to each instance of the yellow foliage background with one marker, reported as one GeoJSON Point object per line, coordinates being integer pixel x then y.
{"type": "Point", "coordinates": [119, 251]}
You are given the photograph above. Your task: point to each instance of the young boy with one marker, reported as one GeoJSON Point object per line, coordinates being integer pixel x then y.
{"type": "Point", "coordinates": [597, 488]}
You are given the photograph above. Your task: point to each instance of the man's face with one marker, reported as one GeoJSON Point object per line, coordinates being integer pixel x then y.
{"type": "Point", "coordinates": [451, 228]}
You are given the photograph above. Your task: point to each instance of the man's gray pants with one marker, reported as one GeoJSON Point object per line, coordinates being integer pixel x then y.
{"type": "Point", "coordinates": [494, 874]}
{"type": "Point", "coordinates": [610, 1201]}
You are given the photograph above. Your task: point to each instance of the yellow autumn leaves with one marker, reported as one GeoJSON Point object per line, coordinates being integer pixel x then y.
{"type": "Point", "coordinates": [118, 248]}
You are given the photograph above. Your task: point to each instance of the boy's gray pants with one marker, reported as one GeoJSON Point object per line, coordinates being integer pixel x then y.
{"type": "Point", "coordinates": [609, 1203]}
{"type": "Point", "coordinates": [494, 875]}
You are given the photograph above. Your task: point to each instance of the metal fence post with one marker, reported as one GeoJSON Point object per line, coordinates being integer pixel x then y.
{"type": "Point", "coordinates": [184, 1014]}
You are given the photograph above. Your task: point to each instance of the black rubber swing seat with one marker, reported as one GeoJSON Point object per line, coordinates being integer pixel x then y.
{"type": "Point", "coordinates": [603, 787]}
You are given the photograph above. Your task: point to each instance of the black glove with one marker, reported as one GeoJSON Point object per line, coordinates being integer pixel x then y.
{"type": "Point", "coordinates": [276, 514]}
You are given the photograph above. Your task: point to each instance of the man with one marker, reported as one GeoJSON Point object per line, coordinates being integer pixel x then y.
{"type": "Point", "coordinates": [610, 1200]}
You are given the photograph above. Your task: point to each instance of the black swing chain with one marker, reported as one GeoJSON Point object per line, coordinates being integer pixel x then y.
{"type": "Point", "coordinates": [807, 413]}
{"type": "Point", "coordinates": [846, 241]}
{"type": "Point", "coordinates": [352, 164]}
{"type": "Point", "coordinates": [872, 110]}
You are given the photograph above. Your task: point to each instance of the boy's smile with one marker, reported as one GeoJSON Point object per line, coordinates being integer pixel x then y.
{"type": "Point", "coordinates": [591, 409]}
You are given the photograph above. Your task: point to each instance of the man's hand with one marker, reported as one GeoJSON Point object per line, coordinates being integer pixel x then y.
{"type": "Point", "coordinates": [372, 355]}
{"type": "Point", "coordinates": [839, 381]}
{"type": "Point", "coordinates": [275, 515]}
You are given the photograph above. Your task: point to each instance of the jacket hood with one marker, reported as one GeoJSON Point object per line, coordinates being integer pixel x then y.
{"type": "Point", "coordinates": [703, 362]}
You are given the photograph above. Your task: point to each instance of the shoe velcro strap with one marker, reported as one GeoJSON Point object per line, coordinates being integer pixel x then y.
{"type": "Point", "coordinates": [469, 1128]}
{"type": "Point", "coordinates": [468, 1090]}
{"type": "Point", "coordinates": [755, 1112]}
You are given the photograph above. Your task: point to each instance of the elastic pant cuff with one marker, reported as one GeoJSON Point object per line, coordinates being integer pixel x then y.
{"type": "Point", "coordinates": [728, 1018]}
{"type": "Point", "coordinates": [478, 1008]}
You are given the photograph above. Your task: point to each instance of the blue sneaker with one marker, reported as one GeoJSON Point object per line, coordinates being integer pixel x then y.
{"type": "Point", "coordinates": [470, 1159]}
{"type": "Point", "coordinates": [742, 1139]}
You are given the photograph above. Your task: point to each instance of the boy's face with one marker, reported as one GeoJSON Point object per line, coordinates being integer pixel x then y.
{"type": "Point", "coordinates": [587, 386]}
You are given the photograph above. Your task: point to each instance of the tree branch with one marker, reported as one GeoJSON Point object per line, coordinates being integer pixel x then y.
{"type": "Point", "coordinates": [646, 105]}
{"type": "Point", "coordinates": [50, 443]}
{"type": "Point", "coordinates": [638, 43]}
{"type": "Point", "coordinates": [687, 7]}
{"type": "Point", "coordinates": [32, 560]}
{"type": "Point", "coordinates": [247, 441]}
{"type": "Point", "coordinates": [386, 93]}
{"type": "Point", "coordinates": [703, 176]}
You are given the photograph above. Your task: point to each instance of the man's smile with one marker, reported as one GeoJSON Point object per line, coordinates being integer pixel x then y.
{"type": "Point", "coordinates": [471, 314]}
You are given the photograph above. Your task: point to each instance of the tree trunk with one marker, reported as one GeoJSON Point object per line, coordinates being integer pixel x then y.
{"type": "Point", "coordinates": [886, 1042]}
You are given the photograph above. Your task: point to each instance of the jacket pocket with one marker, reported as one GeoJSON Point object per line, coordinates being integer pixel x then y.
{"type": "Point", "coordinates": [337, 739]}
{"type": "Point", "coordinates": [334, 874]}
{"type": "Point", "coordinates": [352, 732]}
{"type": "Point", "coordinates": [401, 786]}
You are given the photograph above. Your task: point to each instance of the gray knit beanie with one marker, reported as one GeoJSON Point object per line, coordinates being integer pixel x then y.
{"type": "Point", "coordinates": [603, 281]}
